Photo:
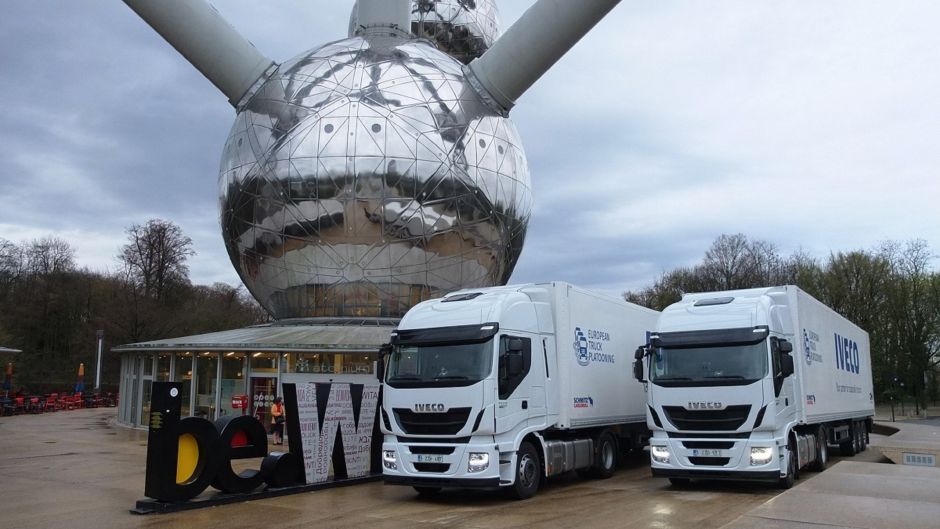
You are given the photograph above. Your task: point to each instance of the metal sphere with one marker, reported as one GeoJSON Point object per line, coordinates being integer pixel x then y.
{"type": "Point", "coordinates": [464, 29]}
{"type": "Point", "coordinates": [364, 177]}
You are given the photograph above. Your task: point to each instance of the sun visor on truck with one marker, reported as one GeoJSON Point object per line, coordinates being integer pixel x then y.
{"type": "Point", "coordinates": [710, 338]}
{"type": "Point", "coordinates": [446, 335]}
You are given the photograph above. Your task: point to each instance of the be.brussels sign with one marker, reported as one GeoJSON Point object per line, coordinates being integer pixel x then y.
{"type": "Point", "coordinates": [185, 456]}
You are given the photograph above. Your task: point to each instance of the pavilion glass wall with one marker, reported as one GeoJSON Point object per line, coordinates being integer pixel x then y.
{"type": "Point", "coordinates": [206, 371]}
{"type": "Point", "coordinates": [183, 373]}
{"type": "Point", "coordinates": [209, 380]}
{"type": "Point", "coordinates": [234, 366]}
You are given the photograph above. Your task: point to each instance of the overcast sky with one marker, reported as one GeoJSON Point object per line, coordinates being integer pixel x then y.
{"type": "Point", "coordinates": [808, 124]}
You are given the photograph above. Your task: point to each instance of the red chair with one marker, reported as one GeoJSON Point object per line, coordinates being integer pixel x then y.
{"type": "Point", "coordinates": [78, 400]}
{"type": "Point", "coordinates": [51, 404]}
{"type": "Point", "coordinates": [19, 405]}
{"type": "Point", "coordinates": [35, 406]}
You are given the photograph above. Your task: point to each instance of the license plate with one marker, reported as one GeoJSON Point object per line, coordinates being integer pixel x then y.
{"type": "Point", "coordinates": [707, 452]}
{"type": "Point", "coordinates": [422, 458]}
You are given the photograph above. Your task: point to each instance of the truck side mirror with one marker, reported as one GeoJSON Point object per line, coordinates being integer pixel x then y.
{"type": "Point", "coordinates": [640, 353]}
{"type": "Point", "coordinates": [785, 346]}
{"type": "Point", "coordinates": [786, 363]}
{"type": "Point", "coordinates": [514, 346]}
{"type": "Point", "coordinates": [384, 351]}
{"type": "Point", "coordinates": [638, 370]}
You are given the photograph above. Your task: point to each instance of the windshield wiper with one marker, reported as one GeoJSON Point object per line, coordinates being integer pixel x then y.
{"type": "Point", "coordinates": [729, 377]}
{"type": "Point", "coordinates": [672, 378]}
{"type": "Point", "coordinates": [403, 378]}
{"type": "Point", "coordinates": [452, 377]}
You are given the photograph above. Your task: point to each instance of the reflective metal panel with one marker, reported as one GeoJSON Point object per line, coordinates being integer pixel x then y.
{"type": "Point", "coordinates": [462, 28]}
{"type": "Point", "coordinates": [365, 176]}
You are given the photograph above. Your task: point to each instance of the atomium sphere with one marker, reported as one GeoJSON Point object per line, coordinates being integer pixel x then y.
{"type": "Point", "coordinates": [364, 177]}
{"type": "Point", "coordinates": [464, 29]}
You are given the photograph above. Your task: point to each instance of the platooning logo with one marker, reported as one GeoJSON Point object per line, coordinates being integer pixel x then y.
{"type": "Point", "coordinates": [589, 346]}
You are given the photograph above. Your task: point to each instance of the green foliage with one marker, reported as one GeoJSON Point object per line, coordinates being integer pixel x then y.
{"type": "Point", "coordinates": [52, 311]}
{"type": "Point", "coordinates": [890, 291]}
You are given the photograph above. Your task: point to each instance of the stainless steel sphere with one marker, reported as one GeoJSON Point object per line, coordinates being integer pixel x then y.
{"type": "Point", "coordinates": [463, 29]}
{"type": "Point", "coordinates": [365, 176]}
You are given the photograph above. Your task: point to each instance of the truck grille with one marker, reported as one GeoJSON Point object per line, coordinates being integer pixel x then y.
{"type": "Point", "coordinates": [728, 419]}
{"type": "Point", "coordinates": [431, 450]}
{"type": "Point", "coordinates": [719, 445]}
{"type": "Point", "coordinates": [710, 461]}
{"type": "Point", "coordinates": [440, 468]}
{"type": "Point", "coordinates": [447, 423]}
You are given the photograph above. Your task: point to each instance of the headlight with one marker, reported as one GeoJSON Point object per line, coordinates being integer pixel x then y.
{"type": "Point", "coordinates": [660, 453]}
{"type": "Point", "coordinates": [761, 455]}
{"type": "Point", "coordinates": [479, 461]}
{"type": "Point", "coordinates": [389, 459]}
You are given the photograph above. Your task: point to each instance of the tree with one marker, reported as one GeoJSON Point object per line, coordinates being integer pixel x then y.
{"type": "Point", "coordinates": [50, 255]}
{"type": "Point", "coordinates": [155, 257]}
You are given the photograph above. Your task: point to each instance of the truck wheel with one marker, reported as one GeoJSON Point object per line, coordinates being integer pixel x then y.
{"type": "Point", "coordinates": [787, 481]}
{"type": "Point", "coordinates": [427, 491]}
{"type": "Point", "coordinates": [605, 459]}
{"type": "Point", "coordinates": [848, 447]}
{"type": "Point", "coordinates": [862, 437]}
{"type": "Point", "coordinates": [822, 450]}
{"type": "Point", "coordinates": [528, 472]}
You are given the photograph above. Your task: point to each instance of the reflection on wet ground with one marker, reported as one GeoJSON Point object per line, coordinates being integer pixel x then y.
{"type": "Point", "coordinates": [75, 470]}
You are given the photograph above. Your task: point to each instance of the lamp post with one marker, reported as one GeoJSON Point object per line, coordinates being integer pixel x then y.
{"type": "Point", "coordinates": [100, 337]}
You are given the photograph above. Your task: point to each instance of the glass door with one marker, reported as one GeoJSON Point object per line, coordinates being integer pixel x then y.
{"type": "Point", "coordinates": [263, 385]}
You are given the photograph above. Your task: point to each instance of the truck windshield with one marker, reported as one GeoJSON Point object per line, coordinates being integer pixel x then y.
{"type": "Point", "coordinates": [726, 365]}
{"type": "Point", "coordinates": [413, 366]}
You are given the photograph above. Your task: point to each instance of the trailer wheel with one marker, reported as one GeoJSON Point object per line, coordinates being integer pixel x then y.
{"type": "Point", "coordinates": [848, 447]}
{"type": "Point", "coordinates": [862, 445]}
{"type": "Point", "coordinates": [787, 481]}
{"type": "Point", "coordinates": [528, 472]}
{"type": "Point", "coordinates": [822, 450]}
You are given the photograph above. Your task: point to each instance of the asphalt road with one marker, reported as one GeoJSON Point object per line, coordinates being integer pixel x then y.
{"type": "Point", "coordinates": [74, 470]}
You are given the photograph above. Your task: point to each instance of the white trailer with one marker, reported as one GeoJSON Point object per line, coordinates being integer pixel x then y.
{"type": "Point", "coordinates": [754, 384]}
{"type": "Point", "coordinates": [500, 387]}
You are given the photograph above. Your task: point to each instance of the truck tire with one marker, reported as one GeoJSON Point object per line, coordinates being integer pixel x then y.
{"type": "Point", "coordinates": [605, 457]}
{"type": "Point", "coordinates": [847, 448]}
{"type": "Point", "coordinates": [427, 491]}
{"type": "Point", "coordinates": [862, 445]}
{"type": "Point", "coordinates": [789, 480]}
{"type": "Point", "coordinates": [822, 450]}
{"type": "Point", "coordinates": [528, 472]}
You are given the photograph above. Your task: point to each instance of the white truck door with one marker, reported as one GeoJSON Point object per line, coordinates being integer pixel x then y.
{"type": "Point", "coordinates": [783, 388]}
{"type": "Point", "coordinates": [518, 377]}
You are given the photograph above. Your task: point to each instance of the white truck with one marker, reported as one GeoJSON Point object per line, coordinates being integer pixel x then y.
{"type": "Point", "coordinates": [754, 385]}
{"type": "Point", "coordinates": [499, 387]}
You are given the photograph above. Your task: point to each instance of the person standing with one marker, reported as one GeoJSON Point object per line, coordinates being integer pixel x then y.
{"type": "Point", "coordinates": [277, 421]}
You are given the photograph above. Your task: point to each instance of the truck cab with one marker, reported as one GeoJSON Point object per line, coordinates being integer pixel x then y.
{"type": "Point", "coordinates": [721, 398]}
{"type": "Point", "coordinates": [465, 382]}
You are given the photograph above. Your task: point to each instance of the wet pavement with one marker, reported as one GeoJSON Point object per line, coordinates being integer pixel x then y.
{"type": "Point", "coordinates": [75, 470]}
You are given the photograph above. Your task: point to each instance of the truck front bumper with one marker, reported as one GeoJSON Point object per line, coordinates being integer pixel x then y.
{"type": "Point", "coordinates": [715, 458]}
{"type": "Point", "coordinates": [439, 464]}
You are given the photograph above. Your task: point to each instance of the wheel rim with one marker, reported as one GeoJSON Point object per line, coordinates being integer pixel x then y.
{"type": "Point", "coordinates": [527, 471]}
{"type": "Point", "coordinates": [607, 455]}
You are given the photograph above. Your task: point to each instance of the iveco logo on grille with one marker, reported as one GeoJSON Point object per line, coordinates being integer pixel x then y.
{"type": "Point", "coordinates": [430, 408]}
{"type": "Point", "coordinates": [705, 405]}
